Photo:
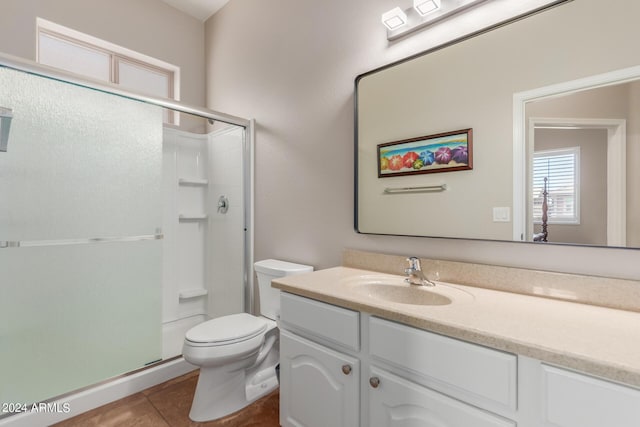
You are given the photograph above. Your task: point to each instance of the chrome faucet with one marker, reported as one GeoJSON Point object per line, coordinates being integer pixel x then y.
{"type": "Point", "coordinates": [415, 274]}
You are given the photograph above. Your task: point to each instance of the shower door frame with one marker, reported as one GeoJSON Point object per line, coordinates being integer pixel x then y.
{"type": "Point", "coordinates": [30, 67]}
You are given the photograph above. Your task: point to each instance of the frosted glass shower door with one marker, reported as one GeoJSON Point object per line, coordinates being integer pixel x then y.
{"type": "Point", "coordinates": [80, 259]}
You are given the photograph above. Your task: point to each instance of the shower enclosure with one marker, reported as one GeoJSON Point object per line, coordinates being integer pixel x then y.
{"type": "Point", "coordinates": [117, 232]}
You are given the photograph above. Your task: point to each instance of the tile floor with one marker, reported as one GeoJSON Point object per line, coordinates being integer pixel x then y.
{"type": "Point", "coordinates": [168, 404]}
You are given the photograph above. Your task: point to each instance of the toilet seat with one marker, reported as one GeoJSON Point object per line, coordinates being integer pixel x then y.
{"type": "Point", "coordinates": [226, 330]}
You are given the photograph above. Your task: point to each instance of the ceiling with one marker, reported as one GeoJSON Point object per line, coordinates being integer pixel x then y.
{"type": "Point", "coordinates": [200, 9]}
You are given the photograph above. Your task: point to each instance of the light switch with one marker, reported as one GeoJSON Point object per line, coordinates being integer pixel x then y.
{"type": "Point", "coordinates": [501, 214]}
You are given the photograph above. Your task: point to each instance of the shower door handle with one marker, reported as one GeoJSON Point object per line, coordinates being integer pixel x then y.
{"type": "Point", "coordinates": [7, 244]}
{"type": "Point", "coordinates": [6, 115]}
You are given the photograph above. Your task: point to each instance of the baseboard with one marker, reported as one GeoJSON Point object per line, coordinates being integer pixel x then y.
{"type": "Point", "coordinates": [76, 403]}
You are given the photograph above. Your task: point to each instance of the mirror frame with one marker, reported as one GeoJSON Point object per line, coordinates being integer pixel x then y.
{"type": "Point", "coordinates": [519, 131]}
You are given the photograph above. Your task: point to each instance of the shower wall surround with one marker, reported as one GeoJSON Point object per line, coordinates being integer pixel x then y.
{"type": "Point", "coordinates": [82, 164]}
{"type": "Point", "coordinates": [185, 226]}
{"type": "Point", "coordinates": [203, 266]}
{"type": "Point", "coordinates": [227, 228]}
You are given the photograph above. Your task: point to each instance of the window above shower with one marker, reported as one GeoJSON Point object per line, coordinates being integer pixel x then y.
{"type": "Point", "coordinates": [70, 50]}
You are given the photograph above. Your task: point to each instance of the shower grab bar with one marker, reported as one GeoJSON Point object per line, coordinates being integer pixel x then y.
{"type": "Point", "coordinates": [9, 244]}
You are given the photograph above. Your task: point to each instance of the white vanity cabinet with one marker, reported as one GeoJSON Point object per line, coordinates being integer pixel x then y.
{"type": "Point", "coordinates": [484, 360]}
{"type": "Point", "coordinates": [570, 399]}
{"type": "Point", "coordinates": [396, 402]}
{"type": "Point", "coordinates": [475, 374]}
{"type": "Point", "coordinates": [438, 381]}
{"type": "Point", "coordinates": [322, 357]}
{"type": "Point", "coordinates": [339, 367]}
{"type": "Point", "coordinates": [319, 385]}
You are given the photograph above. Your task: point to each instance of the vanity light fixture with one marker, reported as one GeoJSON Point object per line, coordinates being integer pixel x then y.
{"type": "Point", "coordinates": [425, 7]}
{"type": "Point", "coordinates": [423, 14]}
{"type": "Point", "coordinates": [394, 19]}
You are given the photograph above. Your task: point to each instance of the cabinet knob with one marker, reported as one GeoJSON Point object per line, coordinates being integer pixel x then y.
{"type": "Point", "coordinates": [346, 369]}
{"type": "Point", "coordinates": [374, 381]}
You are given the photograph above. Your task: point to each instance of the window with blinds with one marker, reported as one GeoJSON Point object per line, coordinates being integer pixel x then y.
{"type": "Point", "coordinates": [562, 170]}
{"type": "Point", "coordinates": [82, 54]}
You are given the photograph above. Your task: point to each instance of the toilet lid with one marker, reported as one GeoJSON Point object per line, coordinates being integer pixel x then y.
{"type": "Point", "coordinates": [232, 328]}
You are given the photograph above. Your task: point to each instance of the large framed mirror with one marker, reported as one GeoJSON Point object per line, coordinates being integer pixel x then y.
{"type": "Point", "coordinates": [562, 84]}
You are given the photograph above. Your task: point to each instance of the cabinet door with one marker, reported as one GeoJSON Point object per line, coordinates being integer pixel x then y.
{"type": "Point", "coordinates": [318, 386]}
{"type": "Point", "coordinates": [475, 374]}
{"type": "Point", "coordinates": [395, 402]}
{"type": "Point", "coordinates": [574, 400]}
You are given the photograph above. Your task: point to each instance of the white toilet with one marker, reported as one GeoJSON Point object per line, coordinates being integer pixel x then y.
{"type": "Point", "coordinates": [238, 354]}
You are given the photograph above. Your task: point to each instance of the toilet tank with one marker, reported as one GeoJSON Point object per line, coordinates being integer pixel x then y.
{"type": "Point", "coordinates": [267, 270]}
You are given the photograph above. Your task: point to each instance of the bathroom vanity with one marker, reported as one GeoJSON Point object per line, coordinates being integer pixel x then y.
{"type": "Point", "coordinates": [354, 352]}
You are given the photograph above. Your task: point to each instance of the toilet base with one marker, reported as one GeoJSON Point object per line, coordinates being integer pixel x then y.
{"type": "Point", "coordinates": [262, 383]}
{"type": "Point", "coordinates": [233, 376]}
{"type": "Point", "coordinates": [219, 394]}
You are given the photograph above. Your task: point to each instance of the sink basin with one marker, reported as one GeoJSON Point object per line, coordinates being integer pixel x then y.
{"type": "Point", "coordinates": [393, 289]}
{"type": "Point", "coordinates": [403, 294]}
{"type": "Point", "coordinates": [390, 288]}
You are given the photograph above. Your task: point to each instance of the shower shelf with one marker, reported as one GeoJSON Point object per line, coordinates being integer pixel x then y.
{"type": "Point", "coordinates": [192, 293]}
{"type": "Point", "coordinates": [193, 217]}
{"type": "Point", "coordinates": [193, 182]}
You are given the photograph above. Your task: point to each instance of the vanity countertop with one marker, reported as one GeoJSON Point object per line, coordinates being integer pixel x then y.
{"type": "Point", "coordinates": [601, 341]}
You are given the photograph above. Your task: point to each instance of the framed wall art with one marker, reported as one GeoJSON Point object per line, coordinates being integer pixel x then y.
{"type": "Point", "coordinates": [443, 152]}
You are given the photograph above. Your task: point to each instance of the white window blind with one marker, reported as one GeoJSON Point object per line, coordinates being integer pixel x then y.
{"type": "Point", "coordinates": [562, 170]}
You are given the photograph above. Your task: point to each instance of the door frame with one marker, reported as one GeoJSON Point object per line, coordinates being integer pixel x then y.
{"type": "Point", "coordinates": [520, 125]}
{"type": "Point", "coordinates": [616, 169]}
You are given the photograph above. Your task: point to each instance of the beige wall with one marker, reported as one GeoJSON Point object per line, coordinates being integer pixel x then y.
{"type": "Point", "coordinates": [291, 65]}
{"type": "Point", "coordinates": [150, 27]}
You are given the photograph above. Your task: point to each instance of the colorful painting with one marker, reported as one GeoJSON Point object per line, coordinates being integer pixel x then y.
{"type": "Point", "coordinates": [444, 152]}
